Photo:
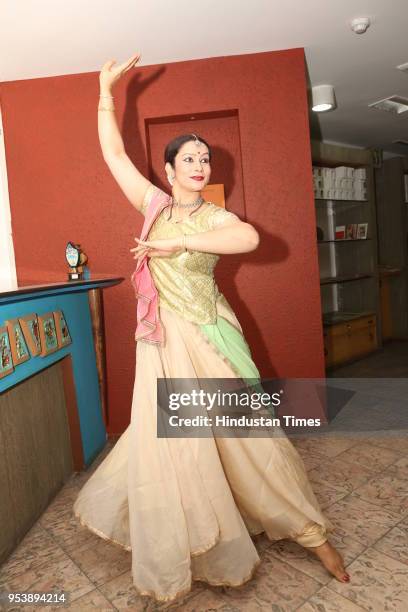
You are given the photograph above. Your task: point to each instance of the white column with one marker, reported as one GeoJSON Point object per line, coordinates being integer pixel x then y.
{"type": "Point", "coordinates": [8, 276]}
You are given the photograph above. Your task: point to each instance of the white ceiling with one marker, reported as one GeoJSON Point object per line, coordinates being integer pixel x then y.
{"type": "Point", "coordinates": [41, 38]}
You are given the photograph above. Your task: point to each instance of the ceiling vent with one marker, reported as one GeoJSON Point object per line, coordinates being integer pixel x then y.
{"type": "Point", "coordinates": [404, 143]}
{"type": "Point", "coordinates": [403, 67]}
{"type": "Point", "coordinates": [393, 104]}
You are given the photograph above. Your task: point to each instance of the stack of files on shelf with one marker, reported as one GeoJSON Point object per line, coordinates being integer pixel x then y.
{"type": "Point", "coordinates": [340, 183]}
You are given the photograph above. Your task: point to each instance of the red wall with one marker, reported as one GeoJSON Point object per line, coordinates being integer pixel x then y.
{"type": "Point", "coordinates": [61, 189]}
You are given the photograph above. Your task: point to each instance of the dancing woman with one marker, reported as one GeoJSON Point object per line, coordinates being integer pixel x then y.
{"type": "Point", "coordinates": [186, 508]}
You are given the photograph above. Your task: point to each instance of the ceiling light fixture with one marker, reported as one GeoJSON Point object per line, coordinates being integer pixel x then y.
{"type": "Point", "coordinates": [323, 98]}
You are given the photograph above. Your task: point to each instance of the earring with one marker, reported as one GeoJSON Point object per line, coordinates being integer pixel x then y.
{"type": "Point", "coordinates": [171, 179]}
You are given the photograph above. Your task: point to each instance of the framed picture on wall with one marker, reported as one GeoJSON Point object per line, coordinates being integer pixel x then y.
{"type": "Point", "coordinates": [48, 333]}
{"type": "Point", "coordinates": [63, 335]}
{"type": "Point", "coordinates": [18, 344]}
{"type": "Point", "coordinates": [214, 193]}
{"type": "Point", "coordinates": [351, 230]}
{"type": "Point", "coordinates": [340, 232]}
{"type": "Point", "coordinates": [6, 358]}
{"type": "Point", "coordinates": [362, 230]}
{"type": "Point", "coordinates": [29, 325]}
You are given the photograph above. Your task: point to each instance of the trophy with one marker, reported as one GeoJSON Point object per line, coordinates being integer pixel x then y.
{"type": "Point", "coordinates": [76, 259]}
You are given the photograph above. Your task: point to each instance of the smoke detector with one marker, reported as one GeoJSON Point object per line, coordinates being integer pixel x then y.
{"type": "Point", "coordinates": [360, 25]}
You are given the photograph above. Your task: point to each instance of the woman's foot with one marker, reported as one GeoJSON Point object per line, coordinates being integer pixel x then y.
{"type": "Point", "coordinates": [332, 560]}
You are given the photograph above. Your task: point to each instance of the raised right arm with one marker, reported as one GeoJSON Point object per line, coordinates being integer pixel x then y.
{"type": "Point", "coordinates": [133, 184]}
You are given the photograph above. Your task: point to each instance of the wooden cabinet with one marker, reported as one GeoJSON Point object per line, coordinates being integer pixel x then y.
{"type": "Point", "coordinates": [392, 213]}
{"type": "Point", "coordinates": [390, 302]}
{"type": "Point", "coordinates": [347, 341]}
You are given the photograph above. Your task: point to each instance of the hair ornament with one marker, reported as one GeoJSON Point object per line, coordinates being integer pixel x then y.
{"type": "Point", "coordinates": [196, 141]}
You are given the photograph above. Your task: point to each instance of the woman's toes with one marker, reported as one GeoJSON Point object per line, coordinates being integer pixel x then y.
{"type": "Point", "coordinates": [340, 572]}
{"type": "Point", "coordinates": [342, 575]}
{"type": "Point", "coordinates": [332, 561]}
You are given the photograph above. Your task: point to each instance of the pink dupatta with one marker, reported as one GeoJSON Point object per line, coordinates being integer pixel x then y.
{"type": "Point", "coordinates": [149, 326]}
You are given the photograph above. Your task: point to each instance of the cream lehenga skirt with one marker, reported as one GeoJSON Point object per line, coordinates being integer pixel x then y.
{"type": "Point", "coordinates": [186, 507]}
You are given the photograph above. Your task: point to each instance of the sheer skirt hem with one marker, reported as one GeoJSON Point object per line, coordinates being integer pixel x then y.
{"type": "Point", "coordinates": [183, 592]}
{"type": "Point", "coordinates": [101, 534]}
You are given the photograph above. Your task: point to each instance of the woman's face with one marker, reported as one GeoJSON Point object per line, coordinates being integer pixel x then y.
{"type": "Point", "coordinates": [191, 166]}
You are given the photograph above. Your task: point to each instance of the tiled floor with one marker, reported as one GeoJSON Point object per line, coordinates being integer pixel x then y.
{"type": "Point", "coordinates": [390, 360]}
{"type": "Point", "coordinates": [362, 484]}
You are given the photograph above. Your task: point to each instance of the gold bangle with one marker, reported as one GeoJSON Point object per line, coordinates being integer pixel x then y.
{"type": "Point", "coordinates": [105, 109]}
{"type": "Point", "coordinates": [111, 97]}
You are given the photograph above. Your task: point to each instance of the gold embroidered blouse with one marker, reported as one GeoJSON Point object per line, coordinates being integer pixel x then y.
{"type": "Point", "coordinates": [185, 280]}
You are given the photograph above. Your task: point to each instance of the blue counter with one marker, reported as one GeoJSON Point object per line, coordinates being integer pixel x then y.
{"type": "Point", "coordinates": [72, 299]}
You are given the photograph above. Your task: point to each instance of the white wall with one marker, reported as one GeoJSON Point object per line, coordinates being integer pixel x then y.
{"type": "Point", "coordinates": [8, 276]}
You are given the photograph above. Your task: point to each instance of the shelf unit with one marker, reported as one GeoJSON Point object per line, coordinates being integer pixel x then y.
{"type": "Point", "coordinates": [349, 279]}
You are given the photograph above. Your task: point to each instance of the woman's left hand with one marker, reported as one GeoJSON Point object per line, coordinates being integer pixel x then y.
{"type": "Point", "coordinates": [157, 248]}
